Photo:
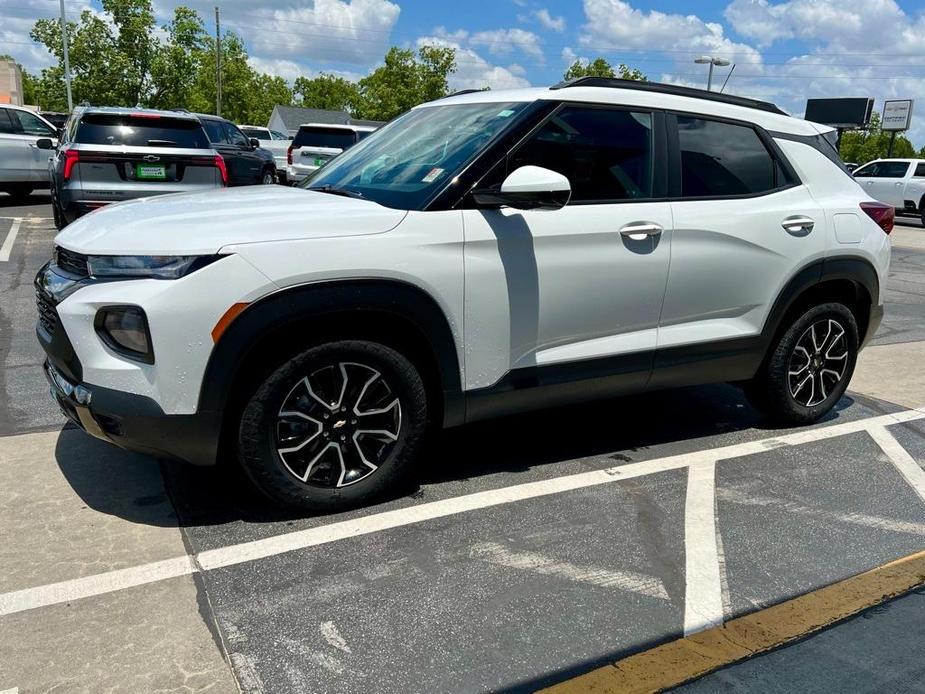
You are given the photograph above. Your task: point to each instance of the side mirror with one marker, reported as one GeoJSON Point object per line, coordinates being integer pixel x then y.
{"type": "Point", "coordinates": [44, 143]}
{"type": "Point", "coordinates": [528, 188]}
{"type": "Point", "coordinates": [255, 143]}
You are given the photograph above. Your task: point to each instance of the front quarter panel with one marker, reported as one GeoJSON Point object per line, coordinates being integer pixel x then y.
{"type": "Point", "coordinates": [425, 251]}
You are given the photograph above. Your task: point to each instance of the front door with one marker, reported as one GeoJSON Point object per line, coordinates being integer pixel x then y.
{"type": "Point", "coordinates": [571, 295]}
{"type": "Point", "coordinates": [885, 181]}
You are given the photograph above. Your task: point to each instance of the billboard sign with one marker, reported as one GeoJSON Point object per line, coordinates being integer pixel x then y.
{"type": "Point", "coordinates": [840, 113]}
{"type": "Point", "coordinates": [897, 114]}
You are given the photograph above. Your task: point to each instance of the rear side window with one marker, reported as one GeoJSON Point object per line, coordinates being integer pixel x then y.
{"type": "Point", "coordinates": [336, 138]}
{"type": "Point", "coordinates": [214, 130]}
{"type": "Point", "coordinates": [257, 133]}
{"type": "Point", "coordinates": [723, 159]}
{"type": "Point", "coordinates": [135, 131]}
{"type": "Point", "coordinates": [6, 124]}
{"type": "Point", "coordinates": [235, 136]}
{"type": "Point", "coordinates": [605, 154]}
{"type": "Point", "coordinates": [920, 170]}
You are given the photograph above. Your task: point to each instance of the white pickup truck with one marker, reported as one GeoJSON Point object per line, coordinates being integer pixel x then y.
{"type": "Point", "coordinates": [897, 182]}
{"type": "Point", "coordinates": [272, 140]}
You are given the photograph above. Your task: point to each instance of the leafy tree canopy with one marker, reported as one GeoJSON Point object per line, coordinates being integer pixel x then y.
{"type": "Point", "coordinates": [599, 67]}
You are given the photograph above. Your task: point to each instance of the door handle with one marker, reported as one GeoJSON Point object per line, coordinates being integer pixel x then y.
{"type": "Point", "coordinates": [794, 225]}
{"type": "Point", "coordinates": [639, 231]}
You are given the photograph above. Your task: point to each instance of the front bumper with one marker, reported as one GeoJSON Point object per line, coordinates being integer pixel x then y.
{"type": "Point", "coordinates": [134, 422]}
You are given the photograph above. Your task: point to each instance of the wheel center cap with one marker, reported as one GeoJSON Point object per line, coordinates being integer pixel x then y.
{"type": "Point", "coordinates": [340, 423]}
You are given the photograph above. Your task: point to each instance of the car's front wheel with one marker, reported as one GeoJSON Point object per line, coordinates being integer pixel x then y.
{"type": "Point", "coordinates": [334, 427]}
{"type": "Point", "coordinates": [809, 367]}
{"type": "Point", "coordinates": [267, 178]}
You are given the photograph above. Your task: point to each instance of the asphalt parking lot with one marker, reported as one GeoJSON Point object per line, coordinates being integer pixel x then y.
{"type": "Point", "coordinates": [532, 549]}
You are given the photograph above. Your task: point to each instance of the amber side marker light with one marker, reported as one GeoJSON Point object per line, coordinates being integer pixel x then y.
{"type": "Point", "coordinates": [227, 320]}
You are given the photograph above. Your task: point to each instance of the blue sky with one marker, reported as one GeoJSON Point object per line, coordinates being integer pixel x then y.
{"type": "Point", "coordinates": [784, 50]}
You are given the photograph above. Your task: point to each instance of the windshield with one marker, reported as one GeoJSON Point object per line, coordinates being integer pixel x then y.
{"type": "Point", "coordinates": [409, 160]}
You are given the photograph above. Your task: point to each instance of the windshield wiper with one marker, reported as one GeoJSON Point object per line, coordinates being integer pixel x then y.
{"type": "Point", "coordinates": [334, 190]}
{"type": "Point", "coordinates": [162, 143]}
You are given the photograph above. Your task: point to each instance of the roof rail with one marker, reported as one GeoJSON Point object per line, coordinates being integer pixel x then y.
{"type": "Point", "coordinates": [463, 91]}
{"type": "Point", "coordinates": [615, 83]}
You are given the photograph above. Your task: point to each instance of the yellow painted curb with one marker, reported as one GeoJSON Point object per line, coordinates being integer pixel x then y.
{"type": "Point", "coordinates": [685, 659]}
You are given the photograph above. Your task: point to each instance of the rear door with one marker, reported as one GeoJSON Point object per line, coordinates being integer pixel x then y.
{"type": "Point", "coordinates": [743, 226]}
{"type": "Point", "coordinates": [31, 129]}
{"type": "Point", "coordinates": [15, 157]}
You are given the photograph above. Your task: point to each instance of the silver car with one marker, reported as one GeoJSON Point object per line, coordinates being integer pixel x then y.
{"type": "Point", "coordinates": [109, 155]}
{"type": "Point", "coordinates": [23, 163]}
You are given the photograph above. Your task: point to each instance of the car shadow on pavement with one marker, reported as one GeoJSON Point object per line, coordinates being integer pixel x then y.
{"type": "Point", "coordinates": [38, 197]}
{"type": "Point", "coordinates": [597, 435]}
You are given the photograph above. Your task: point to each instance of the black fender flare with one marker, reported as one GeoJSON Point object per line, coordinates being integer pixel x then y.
{"type": "Point", "coordinates": [852, 268]}
{"type": "Point", "coordinates": [297, 304]}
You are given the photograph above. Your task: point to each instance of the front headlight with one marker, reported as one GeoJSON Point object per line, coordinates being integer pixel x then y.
{"type": "Point", "coordinates": [160, 267]}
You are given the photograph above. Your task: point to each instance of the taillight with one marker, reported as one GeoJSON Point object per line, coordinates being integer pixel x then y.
{"type": "Point", "coordinates": [884, 215]}
{"type": "Point", "coordinates": [71, 157]}
{"type": "Point", "coordinates": [289, 155]}
{"type": "Point", "coordinates": [220, 165]}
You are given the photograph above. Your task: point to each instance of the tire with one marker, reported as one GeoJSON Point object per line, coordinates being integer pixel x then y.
{"type": "Point", "coordinates": [294, 438]}
{"type": "Point", "coordinates": [267, 178]}
{"type": "Point", "coordinates": [799, 383]}
{"type": "Point", "coordinates": [57, 214]}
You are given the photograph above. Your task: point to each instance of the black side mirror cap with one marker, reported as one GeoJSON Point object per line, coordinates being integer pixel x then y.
{"type": "Point", "coordinates": [44, 143]}
{"type": "Point", "coordinates": [255, 143]}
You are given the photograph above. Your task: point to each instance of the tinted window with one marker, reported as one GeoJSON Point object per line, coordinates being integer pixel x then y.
{"type": "Point", "coordinates": [920, 170]}
{"type": "Point", "coordinates": [214, 130]}
{"type": "Point", "coordinates": [605, 154]}
{"type": "Point", "coordinates": [31, 124]}
{"type": "Point", "coordinates": [336, 138]}
{"type": "Point", "coordinates": [279, 136]}
{"type": "Point", "coordinates": [6, 125]}
{"type": "Point", "coordinates": [361, 134]}
{"type": "Point", "coordinates": [721, 159]}
{"type": "Point", "coordinates": [259, 133]}
{"type": "Point", "coordinates": [235, 136]}
{"type": "Point", "coordinates": [134, 131]}
{"type": "Point", "coordinates": [893, 169]}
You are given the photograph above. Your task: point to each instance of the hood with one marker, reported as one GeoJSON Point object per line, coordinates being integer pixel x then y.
{"type": "Point", "coordinates": [203, 223]}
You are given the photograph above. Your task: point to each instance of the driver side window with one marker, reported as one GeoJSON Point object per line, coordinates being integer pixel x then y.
{"type": "Point", "coordinates": [235, 136]}
{"type": "Point", "coordinates": [32, 125]}
{"type": "Point", "coordinates": [605, 153]}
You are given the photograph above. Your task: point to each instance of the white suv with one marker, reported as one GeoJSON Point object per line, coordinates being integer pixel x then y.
{"type": "Point", "coordinates": [484, 254]}
{"type": "Point", "coordinates": [315, 144]}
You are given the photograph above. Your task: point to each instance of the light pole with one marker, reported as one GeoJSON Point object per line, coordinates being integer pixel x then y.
{"type": "Point", "coordinates": [711, 61]}
{"type": "Point", "coordinates": [67, 62]}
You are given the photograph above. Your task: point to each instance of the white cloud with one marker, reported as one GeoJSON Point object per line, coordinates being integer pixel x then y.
{"type": "Point", "coordinates": [569, 56]}
{"type": "Point", "coordinates": [505, 41]}
{"type": "Point", "coordinates": [613, 24]}
{"type": "Point", "coordinates": [355, 32]}
{"type": "Point", "coordinates": [17, 17]}
{"type": "Point", "coordinates": [548, 21]}
{"type": "Point", "coordinates": [473, 71]}
{"type": "Point", "coordinates": [287, 69]}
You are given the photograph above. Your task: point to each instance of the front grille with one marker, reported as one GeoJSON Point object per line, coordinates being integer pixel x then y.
{"type": "Point", "coordinates": [48, 316]}
{"type": "Point", "coordinates": [71, 262]}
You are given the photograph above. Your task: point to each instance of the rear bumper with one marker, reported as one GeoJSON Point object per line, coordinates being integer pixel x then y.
{"type": "Point", "coordinates": [134, 422]}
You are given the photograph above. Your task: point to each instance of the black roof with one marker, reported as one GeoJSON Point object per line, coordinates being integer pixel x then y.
{"type": "Point", "coordinates": [692, 92]}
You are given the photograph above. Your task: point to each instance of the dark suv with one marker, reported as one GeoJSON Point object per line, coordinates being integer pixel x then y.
{"type": "Point", "coordinates": [248, 163]}
{"type": "Point", "coordinates": [109, 155]}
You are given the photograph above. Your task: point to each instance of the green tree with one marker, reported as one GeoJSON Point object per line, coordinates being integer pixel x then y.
{"type": "Point", "coordinates": [599, 67]}
{"type": "Point", "coordinates": [862, 146]}
{"type": "Point", "coordinates": [405, 80]}
{"type": "Point", "coordinates": [327, 91]}
{"type": "Point", "coordinates": [176, 65]}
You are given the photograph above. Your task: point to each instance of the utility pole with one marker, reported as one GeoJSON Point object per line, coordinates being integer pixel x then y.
{"type": "Point", "coordinates": [218, 64]}
{"type": "Point", "coordinates": [67, 62]}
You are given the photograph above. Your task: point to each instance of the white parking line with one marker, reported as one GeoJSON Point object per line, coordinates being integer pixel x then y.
{"type": "Point", "coordinates": [900, 457]}
{"type": "Point", "coordinates": [14, 690]}
{"type": "Point", "coordinates": [703, 595]}
{"type": "Point", "coordinates": [7, 246]}
{"type": "Point", "coordinates": [30, 598]}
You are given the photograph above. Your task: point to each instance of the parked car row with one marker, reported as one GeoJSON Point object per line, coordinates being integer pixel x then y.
{"type": "Point", "coordinates": [110, 154]}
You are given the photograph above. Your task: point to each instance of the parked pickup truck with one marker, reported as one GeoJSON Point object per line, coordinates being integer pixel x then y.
{"type": "Point", "coordinates": [897, 182]}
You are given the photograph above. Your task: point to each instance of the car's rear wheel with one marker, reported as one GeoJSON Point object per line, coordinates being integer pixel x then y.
{"type": "Point", "coordinates": [334, 427]}
{"type": "Point", "coordinates": [809, 367]}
